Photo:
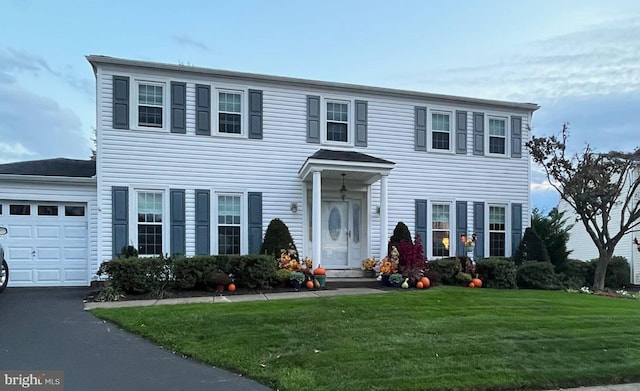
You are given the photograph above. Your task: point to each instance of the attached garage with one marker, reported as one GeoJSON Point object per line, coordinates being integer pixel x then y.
{"type": "Point", "coordinates": [49, 208]}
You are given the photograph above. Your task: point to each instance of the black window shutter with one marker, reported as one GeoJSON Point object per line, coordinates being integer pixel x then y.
{"type": "Point", "coordinates": [478, 134]}
{"type": "Point", "coordinates": [516, 136]}
{"type": "Point", "coordinates": [313, 119]}
{"type": "Point", "coordinates": [177, 222]}
{"type": "Point", "coordinates": [421, 220]}
{"type": "Point", "coordinates": [461, 226]}
{"type": "Point", "coordinates": [119, 219]}
{"type": "Point", "coordinates": [420, 128]}
{"type": "Point", "coordinates": [203, 110]}
{"type": "Point", "coordinates": [203, 225]}
{"type": "Point", "coordinates": [361, 124]}
{"type": "Point", "coordinates": [478, 228]}
{"type": "Point", "coordinates": [516, 227]}
{"type": "Point", "coordinates": [120, 102]}
{"type": "Point", "coordinates": [461, 132]}
{"type": "Point", "coordinates": [255, 114]}
{"type": "Point", "coordinates": [255, 222]}
{"type": "Point", "coordinates": [178, 107]}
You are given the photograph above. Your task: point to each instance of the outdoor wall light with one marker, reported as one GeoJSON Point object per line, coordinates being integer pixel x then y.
{"type": "Point", "coordinates": [293, 207]}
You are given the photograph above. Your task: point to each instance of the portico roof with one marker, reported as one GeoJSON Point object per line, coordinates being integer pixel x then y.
{"type": "Point", "coordinates": [332, 163]}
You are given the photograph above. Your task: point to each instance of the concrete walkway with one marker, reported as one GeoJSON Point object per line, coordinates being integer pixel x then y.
{"type": "Point", "coordinates": [300, 295]}
{"type": "Point", "coordinates": [234, 298]}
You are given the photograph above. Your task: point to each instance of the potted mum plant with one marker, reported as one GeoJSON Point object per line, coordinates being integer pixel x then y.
{"type": "Point", "coordinates": [297, 279]}
{"type": "Point", "coordinates": [283, 275]}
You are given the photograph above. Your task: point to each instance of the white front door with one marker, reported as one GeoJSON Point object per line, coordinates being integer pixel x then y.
{"type": "Point", "coordinates": [341, 234]}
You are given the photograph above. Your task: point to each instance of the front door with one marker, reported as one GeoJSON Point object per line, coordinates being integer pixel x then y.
{"type": "Point", "coordinates": [341, 233]}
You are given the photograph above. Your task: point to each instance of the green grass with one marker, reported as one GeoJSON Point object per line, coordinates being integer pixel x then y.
{"type": "Point", "coordinates": [445, 338]}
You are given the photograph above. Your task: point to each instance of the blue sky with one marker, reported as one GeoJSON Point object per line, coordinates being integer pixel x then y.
{"type": "Point", "coordinates": [579, 60]}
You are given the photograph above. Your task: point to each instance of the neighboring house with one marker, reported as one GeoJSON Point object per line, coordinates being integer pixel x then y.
{"type": "Point", "coordinates": [199, 161]}
{"type": "Point", "coordinates": [583, 247]}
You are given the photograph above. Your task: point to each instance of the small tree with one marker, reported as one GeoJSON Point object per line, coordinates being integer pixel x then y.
{"type": "Point", "coordinates": [276, 238]}
{"type": "Point", "coordinates": [400, 234]}
{"type": "Point", "coordinates": [593, 184]}
{"type": "Point", "coordinates": [531, 248]}
{"type": "Point", "coordinates": [554, 233]}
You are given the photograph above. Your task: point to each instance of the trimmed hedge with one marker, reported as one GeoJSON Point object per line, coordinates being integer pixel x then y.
{"type": "Point", "coordinates": [156, 275]}
{"type": "Point", "coordinates": [497, 273]}
{"type": "Point", "coordinates": [538, 275]}
{"type": "Point", "coordinates": [447, 268]}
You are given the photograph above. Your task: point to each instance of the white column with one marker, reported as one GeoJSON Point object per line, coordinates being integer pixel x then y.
{"type": "Point", "coordinates": [317, 223]}
{"type": "Point", "coordinates": [384, 218]}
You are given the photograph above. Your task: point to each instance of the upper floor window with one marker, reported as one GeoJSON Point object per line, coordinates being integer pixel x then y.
{"type": "Point", "coordinates": [498, 136]}
{"type": "Point", "coordinates": [150, 105]}
{"type": "Point", "coordinates": [497, 231]}
{"type": "Point", "coordinates": [337, 121]}
{"type": "Point", "coordinates": [441, 131]}
{"type": "Point", "coordinates": [149, 222]}
{"type": "Point", "coordinates": [440, 229]}
{"type": "Point", "coordinates": [229, 112]}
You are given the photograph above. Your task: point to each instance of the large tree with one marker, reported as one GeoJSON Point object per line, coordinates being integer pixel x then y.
{"type": "Point", "coordinates": [595, 186]}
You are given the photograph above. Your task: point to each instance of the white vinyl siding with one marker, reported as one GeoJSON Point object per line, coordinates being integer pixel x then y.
{"type": "Point", "coordinates": [187, 161]}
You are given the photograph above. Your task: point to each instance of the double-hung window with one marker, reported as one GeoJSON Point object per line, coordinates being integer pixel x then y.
{"type": "Point", "coordinates": [337, 121]}
{"type": "Point", "coordinates": [498, 136]}
{"type": "Point", "coordinates": [229, 224]}
{"type": "Point", "coordinates": [150, 220]}
{"type": "Point", "coordinates": [440, 131]}
{"type": "Point", "coordinates": [497, 231]}
{"type": "Point", "coordinates": [229, 112]}
{"type": "Point", "coordinates": [150, 104]}
{"type": "Point", "coordinates": [440, 229]}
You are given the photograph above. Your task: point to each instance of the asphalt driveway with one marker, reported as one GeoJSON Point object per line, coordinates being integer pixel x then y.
{"type": "Point", "coordinates": [47, 329]}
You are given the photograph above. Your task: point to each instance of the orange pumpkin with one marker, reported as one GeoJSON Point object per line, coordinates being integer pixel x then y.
{"type": "Point", "coordinates": [231, 287]}
{"type": "Point", "coordinates": [477, 282]}
{"type": "Point", "coordinates": [309, 284]}
{"type": "Point", "coordinates": [425, 282]}
{"type": "Point", "coordinates": [319, 271]}
{"type": "Point", "coordinates": [419, 285]}
{"type": "Point", "coordinates": [471, 285]}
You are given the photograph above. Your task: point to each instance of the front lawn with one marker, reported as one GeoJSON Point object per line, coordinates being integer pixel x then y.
{"type": "Point", "coordinates": [439, 339]}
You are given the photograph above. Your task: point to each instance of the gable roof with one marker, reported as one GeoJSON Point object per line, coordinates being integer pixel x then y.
{"type": "Point", "coordinates": [99, 60]}
{"type": "Point", "coordinates": [59, 167]}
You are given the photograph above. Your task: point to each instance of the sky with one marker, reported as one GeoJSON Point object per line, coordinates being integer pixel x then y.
{"type": "Point", "coordinates": [579, 60]}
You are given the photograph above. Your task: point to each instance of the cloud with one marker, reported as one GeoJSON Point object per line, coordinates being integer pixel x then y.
{"type": "Point", "coordinates": [188, 41]}
{"type": "Point", "coordinates": [38, 127]}
{"type": "Point", "coordinates": [601, 59]}
{"type": "Point", "coordinates": [14, 61]}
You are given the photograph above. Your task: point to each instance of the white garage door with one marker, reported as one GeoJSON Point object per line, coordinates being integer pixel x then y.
{"type": "Point", "coordinates": [46, 244]}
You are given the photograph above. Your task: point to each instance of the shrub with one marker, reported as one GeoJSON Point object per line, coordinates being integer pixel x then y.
{"type": "Point", "coordinates": [400, 234]}
{"type": "Point", "coordinates": [447, 269]}
{"type": "Point", "coordinates": [463, 278]}
{"type": "Point", "coordinates": [435, 278]}
{"type": "Point", "coordinates": [538, 275]}
{"type": "Point", "coordinates": [276, 238]}
{"type": "Point", "coordinates": [139, 275]}
{"type": "Point", "coordinates": [215, 279]}
{"type": "Point", "coordinates": [531, 249]}
{"type": "Point", "coordinates": [576, 274]}
{"type": "Point", "coordinates": [412, 262]}
{"type": "Point", "coordinates": [252, 271]}
{"type": "Point", "coordinates": [497, 272]}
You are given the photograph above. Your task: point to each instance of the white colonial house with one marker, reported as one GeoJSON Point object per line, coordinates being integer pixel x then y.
{"type": "Point", "coordinates": [199, 161]}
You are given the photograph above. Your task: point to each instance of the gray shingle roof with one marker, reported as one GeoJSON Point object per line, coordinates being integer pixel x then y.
{"type": "Point", "coordinates": [52, 167]}
{"type": "Point", "coordinates": [347, 156]}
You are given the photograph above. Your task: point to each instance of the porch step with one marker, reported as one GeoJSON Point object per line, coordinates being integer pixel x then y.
{"type": "Point", "coordinates": [345, 273]}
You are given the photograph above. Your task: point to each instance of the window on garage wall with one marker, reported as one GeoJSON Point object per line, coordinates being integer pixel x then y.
{"type": "Point", "coordinates": [47, 210]}
{"type": "Point", "coordinates": [19, 209]}
{"type": "Point", "coordinates": [74, 211]}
